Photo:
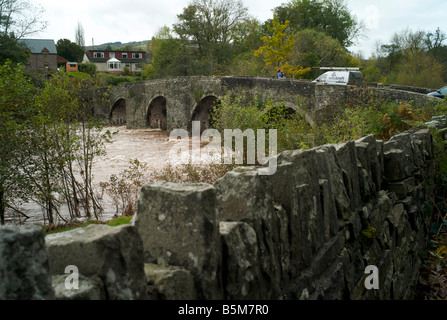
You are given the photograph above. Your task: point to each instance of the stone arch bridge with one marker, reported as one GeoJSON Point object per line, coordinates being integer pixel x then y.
{"type": "Point", "coordinates": [173, 103]}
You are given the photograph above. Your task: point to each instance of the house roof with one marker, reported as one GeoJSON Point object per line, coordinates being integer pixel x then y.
{"type": "Point", "coordinates": [39, 45]}
{"type": "Point", "coordinates": [122, 60]}
{"type": "Point", "coordinates": [61, 60]}
{"type": "Point", "coordinates": [124, 51]}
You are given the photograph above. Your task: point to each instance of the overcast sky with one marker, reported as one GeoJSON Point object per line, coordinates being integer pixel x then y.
{"type": "Point", "coordinates": [137, 20]}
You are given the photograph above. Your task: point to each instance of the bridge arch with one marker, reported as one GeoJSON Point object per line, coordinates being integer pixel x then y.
{"type": "Point", "coordinates": [203, 112]}
{"type": "Point", "coordinates": [291, 108]}
{"type": "Point", "coordinates": [118, 113]}
{"type": "Point", "coordinates": [157, 114]}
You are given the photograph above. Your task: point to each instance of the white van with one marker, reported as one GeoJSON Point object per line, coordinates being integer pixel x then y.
{"type": "Point", "coordinates": [341, 78]}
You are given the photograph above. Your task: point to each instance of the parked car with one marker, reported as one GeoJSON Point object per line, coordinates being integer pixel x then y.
{"type": "Point", "coordinates": [342, 78]}
{"type": "Point", "coordinates": [439, 93]}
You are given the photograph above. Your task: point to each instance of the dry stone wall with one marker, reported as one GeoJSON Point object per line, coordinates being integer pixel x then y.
{"type": "Point", "coordinates": [307, 232]}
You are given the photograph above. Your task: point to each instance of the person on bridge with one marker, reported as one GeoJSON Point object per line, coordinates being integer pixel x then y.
{"type": "Point", "coordinates": [279, 74]}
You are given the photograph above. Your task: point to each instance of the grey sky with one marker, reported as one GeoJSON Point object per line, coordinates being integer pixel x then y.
{"type": "Point", "coordinates": [137, 20]}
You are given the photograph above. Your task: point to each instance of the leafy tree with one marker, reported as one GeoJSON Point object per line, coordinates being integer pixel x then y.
{"type": "Point", "coordinates": [371, 74]}
{"type": "Point", "coordinates": [69, 50]}
{"type": "Point", "coordinates": [11, 49]}
{"type": "Point", "coordinates": [315, 49]}
{"type": "Point", "coordinates": [128, 47]}
{"type": "Point", "coordinates": [165, 52]}
{"type": "Point", "coordinates": [413, 58]}
{"type": "Point", "coordinates": [277, 49]}
{"type": "Point", "coordinates": [420, 70]}
{"type": "Point", "coordinates": [16, 93]}
{"type": "Point", "coordinates": [330, 16]}
{"type": "Point", "coordinates": [247, 35]}
{"type": "Point", "coordinates": [211, 26]}
{"type": "Point", "coordinates": [61, 137]}
{"type": "Point", "coordinates": [173, 57]}
{"type": "Point", "coordinates": [247, 64]}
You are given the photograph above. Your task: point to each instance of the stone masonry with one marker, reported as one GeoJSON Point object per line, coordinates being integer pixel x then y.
{"type": "Point", "coordinates": [187, 99]}
{"type": "Point", "coordinates": [307, 232]}
{"type": "Point", "coordinates": [310, 230]}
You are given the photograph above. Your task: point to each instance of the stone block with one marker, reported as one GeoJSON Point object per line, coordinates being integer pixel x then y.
{"type": "Point", "coordinates": [369, 153]}
{"type": "Point", "coordinates": [244, 195]}
{"type": "Point", "coordinates": [171, 283]}
{"type": "Point", "coordinates": [179, 227]}
{"type": "Point", "coordinates": [346, 154]}
{"type": "Point", "coordinates": [115, 254]}
{"type": "Point", "coordinates": [89, 288]}
{"type": "Point", "coordinates": [24, 267]}
{"type": "Point", "coordinates": [243, 276]}
{"type": "Point", "coordinates": [403, 188]}
{"type": "Point", "coordinates": [328, 168]}
{"type": "Point", "coordinates": [399, 157]}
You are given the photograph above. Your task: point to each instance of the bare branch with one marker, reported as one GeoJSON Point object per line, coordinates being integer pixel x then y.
{"type": "Point", "coordinates": [20, 18]}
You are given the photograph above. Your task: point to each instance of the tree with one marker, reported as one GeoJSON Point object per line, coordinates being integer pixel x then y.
{"type": "Point", "coordinates": [16, 94]}
{"type": "Point", "coordinates": [413, 58]}
{"type": "Point", "coordinates": [420, 70]}
{"type": "Point", "coordinates": [247, 36]}
{"type": "Point", "coordinates": [211, 25]}
{"type": "Point", "coordinates": [330, 16]}
{"type": "Point", "coordinates": [315, 49]}
{"type": "Point", "coordinates": [434, 44]}
{"type": "Point", "coordinates": [277, 49]}
{"type": "Point", "coordinates": [13, 50]}
{"type": "Point", "coordinates": [20, 18]}
{"type": "Point", "coordinates": [64, 137]}
{"type": "Point", "coordinates": [173, 57]}
{"type": "Point", "coordinates": [69, 50]}
{"type": "Point", "coordinates": [79, 36]}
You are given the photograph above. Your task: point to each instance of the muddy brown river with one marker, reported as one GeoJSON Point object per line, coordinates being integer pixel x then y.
{"type": "Point", "coordinates": [148, 146]}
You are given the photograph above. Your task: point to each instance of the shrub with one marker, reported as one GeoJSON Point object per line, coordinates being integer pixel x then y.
{"type": "Point", "coordinates": [124, 189]}
{"type": "Point", "coordinates": [193, 173]}
{"type": "Point", "coordinates": [88, 67]}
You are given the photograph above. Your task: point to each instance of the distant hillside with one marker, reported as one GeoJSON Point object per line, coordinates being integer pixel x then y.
{"type": "Point", "coordinates": [133, 46]}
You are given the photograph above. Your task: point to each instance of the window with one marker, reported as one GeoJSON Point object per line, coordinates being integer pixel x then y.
{"type": "Point", "coordinates": [98, 54]}
{"type": "Point", "coordinates": [114, 65]}
{"type": "Point", "coordinates": [125, 55]}
{"type": "Point", "coordinates": [137, 55]}
{"type": "Point", "coordinates": [112, 54]}
{"type": "Point", "coordinates": [127, 65]}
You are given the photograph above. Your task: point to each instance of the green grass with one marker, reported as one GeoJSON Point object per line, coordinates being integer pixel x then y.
{"type": "Point", "coordinates": [71, 226]}
{"type": "Point", "coordinates": [119, 221]}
